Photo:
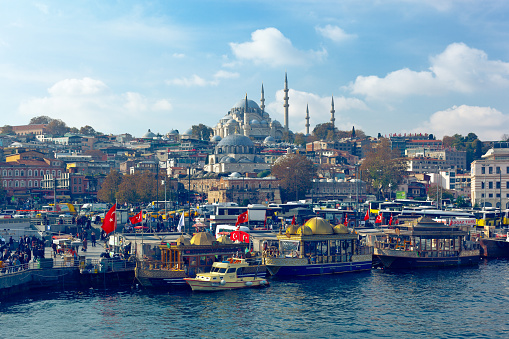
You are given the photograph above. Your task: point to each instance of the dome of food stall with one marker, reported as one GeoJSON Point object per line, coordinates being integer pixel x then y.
{"type": "Point", "coordinates": [202, 238]}
{"type": "Point", "coordinates": [305, 230]}
{"type": "Point", "coordinates": [319, 226]}
{"type": "Point", "coordinates": [182, 241]}
{"type": "Point", "coordinates": [341, 229]}
{"type": "Point", "coordinates": [292, 229]}
{"type": "Point", "coordinates": [225, 240]}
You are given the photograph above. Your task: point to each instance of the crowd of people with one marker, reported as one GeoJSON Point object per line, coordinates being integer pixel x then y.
{"type": "Point", "coordinates": [15, 256]}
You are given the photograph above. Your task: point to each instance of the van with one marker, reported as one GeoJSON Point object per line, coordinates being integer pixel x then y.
{"type": "Point", "coordinates": [227, 229]}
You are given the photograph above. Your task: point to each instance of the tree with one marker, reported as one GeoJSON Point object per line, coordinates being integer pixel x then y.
{"type": "Point", "coordinates": [109, 187]}
{"type": "Point", "coordinates": [383, 168]}
{"type": "Point", "coordinates": [321, 131]}
{"type": "Point", "coordinates": [299, 139]}
{"type": "Point", "coordinates": [57, 127]}
{"type": "Point", "coordinates": [295, 173]}
{"type": "Point", "coordinates": [43, 119]}
{"type": "Point", "coordinates": [87, 130]}
{"type": "Point", "coordinates": [127, 190]}
{"type": "Point", "coordinates": [202, 132]}
{"type": "Point", "coordinates": [442, 193]}
{"type": "Point", "coordinates": [7, 129]}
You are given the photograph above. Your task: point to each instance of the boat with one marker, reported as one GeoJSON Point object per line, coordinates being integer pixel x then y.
{"type": "Point", "coordinates": [317, 248]}
{"type": "Point", "coordinates": [186, 258]}
{"type": "Point", "coordinates": [426, 243]}
{"type": "Point", "coordinates": [233, 273]}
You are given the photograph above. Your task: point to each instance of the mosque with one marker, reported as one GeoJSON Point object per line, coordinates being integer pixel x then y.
{"type": "Point", "coordinates": [249, 119]}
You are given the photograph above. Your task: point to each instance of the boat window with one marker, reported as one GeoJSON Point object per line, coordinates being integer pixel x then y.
{"type": "Point", "coordinates": [222, 270]}
{"type": "Point", "coordinates": [203, 260]}
{"type": "Point", "coordinates": [433, 244]}
{"type": "Point", "coordinates": [231, 270]}
{"type": "Point", "coordinates": [214, 269]}
{"type": "Point", "coordinates": [240, 270]}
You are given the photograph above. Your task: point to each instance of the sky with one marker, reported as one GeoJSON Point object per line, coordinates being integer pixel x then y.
{"type": "Point", "coordinates": [392, 66]}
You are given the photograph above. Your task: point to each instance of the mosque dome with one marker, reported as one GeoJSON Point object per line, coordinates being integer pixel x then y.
{"type": "Point", "coordinates": [264, 122]}
{"type": "Point", "coordinates": [227, 160]}
{"type": "Point", "coordinates": [305, 230]}
{"type": "Point", "coordinates": [173, 132]}
{"type": "Point", "coordinates": [244, 160]}
{"type": "Point", "coordinates": [341, 229]}
{"type": "Point", "coordinates": [255, 122]}
{"type": "Point", "coordinates": [319, 226]}
{"type": "Point", "coordinates": [250, 104]}
{"type": "Point", "coordinates": [216, 138]}
{"type": "Point", "coordinates": [188, 132]}
{"type": "Point", "coordinates": [148, 135]}
{"type": "Point", "coordinates": [258, 159]}
{"type": "Point", "coordinates": [203, 238]}
{"type": "Point", "coordinates": [269, 140]}
{"type": "Point", "coordinates": [235, 175]}
{"type": "Point", "coordinates": [235, 140]}
{"type": "Point", "coordinates": [276, 123]}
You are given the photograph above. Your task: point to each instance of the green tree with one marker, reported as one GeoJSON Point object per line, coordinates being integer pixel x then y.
{"type": "Point", "coordinates": [295, 173]}
{"type": "Point", "coordinates": [43, 119]}
{"type": "Point", "coordinates": [7, 129]}
{"type": "Point", "coordinates": [87, 130]}
{"type": "Point", "coordinates": [299, 139]}
{"type": "Point", "coordinates": [127, 190]}
{"type": "Point", "coordinates": [57, 127]}
{"type": "Point", "coordinates": [109, 187]}
{"type": "Point", "coordinates": [321, 131]}
{"type": "Point", "coordinates": [383, 169]}
{"type": "Point", "coordinates": [202, 132]}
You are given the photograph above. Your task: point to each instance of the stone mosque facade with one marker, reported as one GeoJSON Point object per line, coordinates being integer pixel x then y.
{"type": "Point", "coordinates": [249, 119]}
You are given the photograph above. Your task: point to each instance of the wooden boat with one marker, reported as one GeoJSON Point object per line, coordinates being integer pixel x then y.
{"type": "Point", "coordinates": [229, 274]}
{"type": "Point", "coordinates": [186, 258]}
{"type": "Point", "coordinates": [317, 248]}
{"type": "Point", "coordinates": [496, 246]}
{"type": "Point", "coordinates": [426, 243]}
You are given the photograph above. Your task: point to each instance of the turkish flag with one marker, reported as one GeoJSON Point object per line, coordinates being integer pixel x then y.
{"type": "Point", "coordinates": [346, 220]}
{"type": "Point", "coordinates": [242, 218]}
{"type": "Point", "coordinates": [136, 219]}
{"type": "Point", "coordinates": [366, 217]}
{"type": "Point", "coordinates": [378, 219]}
{"type": "Point", "coordinates": [293, 220]}
{"type": "Point", "coordinates": [110, 220]}
{"type": "Point", "coordinates": [390, 221]}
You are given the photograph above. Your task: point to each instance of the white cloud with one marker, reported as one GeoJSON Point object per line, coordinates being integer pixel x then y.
{"type": "Point", "coordinates": [319, 109]}
{"type": "Point", "coordinates": [81, 102]}
{"type": "Point", "coordinates": [42, 7]}
{"type": "Point", "coordinates": [488, 123]}
{"type": "Point", "coordinates": [459, 69]}
{"type": "Point", "coordinates": [334, 33]}
{"type": "Point", "coordinates": [193, 80]}
{"type": "Point", "coordinates": [269, 46]}
{"type": "Point", "coordinates": [179, 55]}
{"type": "Point", "coordinates": [226, 75]}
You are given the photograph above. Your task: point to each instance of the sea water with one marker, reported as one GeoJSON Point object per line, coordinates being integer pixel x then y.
{"type": "Point", "coordinates": [466, 302]}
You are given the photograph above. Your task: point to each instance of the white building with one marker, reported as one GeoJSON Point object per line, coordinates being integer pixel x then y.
{"type": "Point", "coordinates": [490, 178]}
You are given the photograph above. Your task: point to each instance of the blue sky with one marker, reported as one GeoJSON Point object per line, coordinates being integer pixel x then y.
{"type": "Point", "coordinates": [395, 66]}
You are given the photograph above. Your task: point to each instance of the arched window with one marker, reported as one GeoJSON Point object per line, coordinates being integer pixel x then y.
{"type": "Point", "coordinates": [35, 173]}
{"type": "Point", "coordinates": [10, 183]}
{"type": "Point", "coordinates": [10, 173]}
{"type": "Point", "coordinates": [16, 173]}
{"type": "Point", "coordinates": [36, 183]}
{"type": "Point", "coordinates": [16, 183]}
{"type": "Point", "coordinates": [29, 183]}
{"type": "Point", "coordinates": [5, 185]}
{"type": "Point", "coordinates": [29, 172]}
{"type": "Point", "coordinates": [22, 183]}
{"type": "Point", "coordinates": [4, 173]}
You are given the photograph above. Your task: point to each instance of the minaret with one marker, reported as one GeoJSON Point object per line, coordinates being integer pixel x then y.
{"type": "Point", "coordinates": [246, 118]}
{"type": "Point", "coordinates": [332, 111]}
{"type": "Point", "coordinates": [262, 100]}
{"type": "Point", "coordinates": [307, 120]}
{"type": "Point", "coordinates": [286, 103]}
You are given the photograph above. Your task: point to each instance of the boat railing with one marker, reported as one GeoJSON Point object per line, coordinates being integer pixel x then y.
{"type": "Point", "coordinates": [158, 265]}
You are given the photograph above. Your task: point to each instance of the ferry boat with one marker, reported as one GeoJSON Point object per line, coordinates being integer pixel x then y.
{"type": "Point", "coordinates": [426, 243]}
{"type": "Point", "coordinates": [317, 248]}
{"type": "Point", "coordinates": [233, 273]}
{"type": "Point", "coordinates": [186, 258]}
{"type": "Point", "coordinates": [495, 245]}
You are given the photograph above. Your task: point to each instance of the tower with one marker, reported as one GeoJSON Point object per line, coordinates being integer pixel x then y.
{"type": "Point", "coordinates": [332, 111]}
{"type": "Point", "coordinates": [246, 117]}
{"type": "Point", "coordinates": [262, 101]}
{"type": "Point", "coordinates": [307, 120]}
{"type": "Point", "coordinates": [286, 103]}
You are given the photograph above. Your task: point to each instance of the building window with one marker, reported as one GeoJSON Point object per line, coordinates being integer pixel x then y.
{"type": "Point", "coordinates": [482, 185]}
{"type": "Point", "coordinates": [490, 170]}
{"type": "Point", "coordinates": [16, 183]}
{"type": "Point", "coordinates": [36, 183]}
{"type": "Point", "coordinates": [507, 170]}
{"type": "Point", "coordinates": [22, 173]}
{"type": "Point", "coordinates": [10, 183]}
{"type": "Point", "coordinates": [483, 170]}
{"type": "Point", "coordinates": [47, 172]}
{"type": "Point", "coordinates": [22, 183]}
{"type": "Point", "coordinates": [4, 173]}
{"type": "Point", "coordinates": [29, 172]}
{"type": "Point", "coordinates": [490, 195]}
{"type": "Point", "coordinates": [498, 184]}
{"type": "Point", "coordinates": [16, 173]}
{"type": "Point", "coordinates": [54, 173]}
{"type": "Point", "coordinates": [498, 195]}
{"type": "Point", "coordinates": [490, 184]}
{"type": "Point", "coordinates": [35, 173]}
{"type": "Point", "coordinates": [498, 170]}
{"type": "Point", "coordinates": [29, 183]}
{"type": "Point", "coordinates": [5, 183]}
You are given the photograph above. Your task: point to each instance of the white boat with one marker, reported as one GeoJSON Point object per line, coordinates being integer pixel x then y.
{"type": "Point", "coordinates": [229, 274]}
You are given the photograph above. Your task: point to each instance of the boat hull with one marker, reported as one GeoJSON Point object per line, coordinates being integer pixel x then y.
{"type": "Point", "coordinates": [494, 248]}
{"type": "Point", "coordinates": [410, 259]}
{"type": "Point", "coordinates": [290, 267]}
{"type": "Point", "coordinates": [208, 286]}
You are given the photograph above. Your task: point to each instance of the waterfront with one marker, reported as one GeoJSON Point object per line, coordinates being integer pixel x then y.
{"type": "Point", "coordinates": [444, 303]}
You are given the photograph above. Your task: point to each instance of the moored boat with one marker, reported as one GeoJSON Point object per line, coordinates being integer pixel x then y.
{"type": "Point", "coordinates": [233, 273]}
{"type": "Point", "coordinates": [496, 246]}
{"type": "Point", "coordinates": [186, 258]}
{"type": "Point", "coordinates": [317, 248]}
{"type": "Point", "coordinates": [426, 243]}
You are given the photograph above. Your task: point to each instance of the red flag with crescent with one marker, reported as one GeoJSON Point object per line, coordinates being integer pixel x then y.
{"type": "Point", "coordinates": [110, 220]}
{"type": "Point", "coordinates": [136, 219]}
{"type": "Point", "coordinates": [242, 218]}
{"type": "Point", "coordinates": [378, 219]}
{"type": "Point", "coordinates": [366, 217]}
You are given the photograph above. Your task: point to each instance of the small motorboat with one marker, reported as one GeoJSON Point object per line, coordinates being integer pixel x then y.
{"type": "Point", "coordinates": [229, 274]}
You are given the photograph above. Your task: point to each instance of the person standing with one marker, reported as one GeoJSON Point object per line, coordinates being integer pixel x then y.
{"type": "Point", "coordinates": [92, 238]}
